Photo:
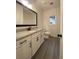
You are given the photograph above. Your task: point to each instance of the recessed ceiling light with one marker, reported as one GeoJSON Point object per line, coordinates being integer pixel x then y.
{"type": "Point", "coordinates": [51, 3]}
{"type": "Point", "coordinates": [42, 2]}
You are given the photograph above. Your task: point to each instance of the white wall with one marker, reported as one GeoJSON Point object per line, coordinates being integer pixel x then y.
{"type": "Point", "coordinates": [54, 29]}
{"type": "Point", "coordinates": [39, 12]}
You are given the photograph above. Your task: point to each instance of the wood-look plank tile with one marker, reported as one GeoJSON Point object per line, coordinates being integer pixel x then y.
{"type": "Point", "coordinates": [49, 49]}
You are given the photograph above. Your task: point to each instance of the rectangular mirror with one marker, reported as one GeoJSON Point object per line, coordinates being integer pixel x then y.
{"type": "Point", "coordinates": [25, 16]}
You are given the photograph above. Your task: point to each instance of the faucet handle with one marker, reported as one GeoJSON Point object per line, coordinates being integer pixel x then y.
{"type": "Point", "coordinates": [29, 28]}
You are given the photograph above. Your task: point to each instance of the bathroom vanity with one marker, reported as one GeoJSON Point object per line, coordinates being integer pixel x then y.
{"type": "Point", "coordinates": [28, 43]}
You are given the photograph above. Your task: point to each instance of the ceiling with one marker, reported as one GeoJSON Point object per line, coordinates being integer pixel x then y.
{"type": "Point", "coordinates": [45, 4]}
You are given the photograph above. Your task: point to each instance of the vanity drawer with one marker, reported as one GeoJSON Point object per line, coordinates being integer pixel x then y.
{"type": "Point", "coordinates": [26, 40]}
{"type": "Point", "coordinates": [35, 35]}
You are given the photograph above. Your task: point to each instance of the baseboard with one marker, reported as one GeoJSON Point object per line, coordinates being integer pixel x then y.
{"type": "Point", "coordinates": [53, 35]}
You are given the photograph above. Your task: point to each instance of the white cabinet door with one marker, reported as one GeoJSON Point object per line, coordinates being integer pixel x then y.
{"type": "Point", "coordinates": [19, 14]}
{"type": "Point", "coordinates": [28, 50]}
{"type": "Point", "coordinates": [18, 53]}
{"type": "Point", "coordinates": [34, 45]}
{"type": "Point", "coordinates": [24, 51]}
{"type": "Point", "coordinates": [42, 37]}
{"type": "Point", "coordinates": [36, 42]}
{"type": "Point", "coordinates": [21, 51]}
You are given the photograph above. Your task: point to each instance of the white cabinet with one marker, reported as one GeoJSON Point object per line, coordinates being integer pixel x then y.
{"type": "Point", "coordinates": [28, 46]}
{"type": "Point", "coordinates": [18, 51]}
{"type": "Point", "coordinates": [42, 37]}
{"type": "Point", "coordinates": [37, 40]}
{"type": "Point", "coordinates": [34, 44]}
{"type": "Point", "coordinates": [28, 49]}
{"type": "Point", "coordinates": [24, 49]}
{"type": "Point", "coordinates": [19, 14]}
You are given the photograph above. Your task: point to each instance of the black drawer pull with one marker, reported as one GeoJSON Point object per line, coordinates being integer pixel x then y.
{"type": "Point", "coordinates": [37, 39]}
{"type": "Point", "coordinates": [23, 41]}
{"type": "Point", "coordinates": [30, 45]}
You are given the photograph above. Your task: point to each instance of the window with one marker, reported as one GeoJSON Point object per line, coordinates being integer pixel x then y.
{"type": "Point", "coordinates": [52, 19]}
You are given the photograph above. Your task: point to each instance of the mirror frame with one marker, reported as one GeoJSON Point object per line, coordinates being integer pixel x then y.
{"type": "Point", "coordinates": [20, 25]}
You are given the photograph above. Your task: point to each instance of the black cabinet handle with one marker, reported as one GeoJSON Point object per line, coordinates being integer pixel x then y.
{"type": "Point", "coordinates": [30, 45]}
{"type": "Point", "coordinates": [23, 41]}
{"type": "Point", "coordinates": [37, 39]}
{"type": "Point", "coordinates": [41, 35]}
